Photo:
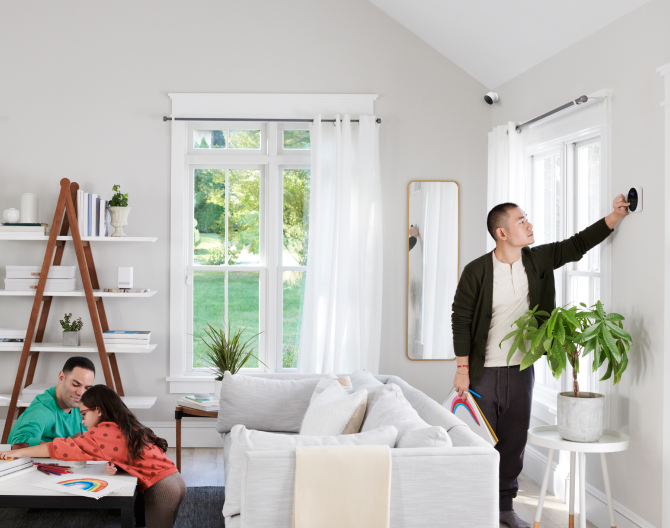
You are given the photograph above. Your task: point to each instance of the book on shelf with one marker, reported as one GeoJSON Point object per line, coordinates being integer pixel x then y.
{"type": "Point", "coordinates": [101, 218]}
{"type": "Point", "coordinates": [208, 407]}
{"type": "Point", "coordinates": [23, 224]}
{"type": "Point", "coordinates": [127, 290]}
{"type": "Point", "coordinates": [129, 343]}
{"type": "Point", "coordinates": [13, 333]}
{"type": "Point", "coordinates": [25, 229]}
{"type": "Point", "coordinates": [127, 334]}
{"type": "Point", "coordinates": [89, 213]}
{"type": "Point", "coordinates": [10, 340]}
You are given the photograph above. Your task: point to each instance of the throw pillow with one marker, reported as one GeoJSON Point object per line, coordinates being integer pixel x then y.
{"type": "Point", "coordinates": [324, 382]}
{"type": "Point", "coordinates": [334, 412]}
{"type": "Point", "coordinates": [243, 440]}
{"type": "Point", "coordinates": [362, 379]}
{"type": "Point", "coordinates": [377, 392]}
{"type": "Point", "coordinates": [262, 403]}
{"type": "Point", "coordinates": [392, 408]}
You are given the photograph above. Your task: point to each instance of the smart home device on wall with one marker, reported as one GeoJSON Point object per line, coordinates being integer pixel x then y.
{"type": "Point", "coordinates": [634, 198]}
{"type": "Point", "coordinates": [125, 277]}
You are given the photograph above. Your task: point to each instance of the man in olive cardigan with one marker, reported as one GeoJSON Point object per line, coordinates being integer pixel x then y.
{"type": "Point", "coordinates": [494, 291]}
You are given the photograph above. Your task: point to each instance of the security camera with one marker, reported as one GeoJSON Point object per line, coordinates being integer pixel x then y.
{"type": "Point", "coordinates": [491, 98]}
{"type": "Point", "coordinates": [634, 198]}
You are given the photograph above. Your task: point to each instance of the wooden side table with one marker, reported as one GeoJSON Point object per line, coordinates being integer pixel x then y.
{"type": "Point", "coordinates": [187, 412]}
{"type": "Point", "coordinates": [610, 442]}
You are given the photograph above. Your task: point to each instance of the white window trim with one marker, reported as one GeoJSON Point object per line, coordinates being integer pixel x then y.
{"type": "Point", "coordinates": [275, 106]}
{"type": "Point", "coordinates": [562, 129]}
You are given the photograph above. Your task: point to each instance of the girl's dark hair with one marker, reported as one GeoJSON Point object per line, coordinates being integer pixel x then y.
{"type": "Point", "coordinates": [114, 410]}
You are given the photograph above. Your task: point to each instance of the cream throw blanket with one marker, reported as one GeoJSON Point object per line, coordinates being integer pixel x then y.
{"type": "Point", "coordinates": [339, 486]}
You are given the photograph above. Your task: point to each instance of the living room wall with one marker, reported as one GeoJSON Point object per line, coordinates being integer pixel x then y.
{"type": "Point", "coordinates": [623, 56]}
{"type": "Point", "coordinates": [83, 93]}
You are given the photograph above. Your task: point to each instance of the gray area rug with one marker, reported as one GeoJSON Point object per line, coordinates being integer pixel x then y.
{"type": "Point", "coordinates": [201, 508]}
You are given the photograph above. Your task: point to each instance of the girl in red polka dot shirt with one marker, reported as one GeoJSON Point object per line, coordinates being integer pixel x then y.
{"type": "Point", "coordinates": [114, 434]}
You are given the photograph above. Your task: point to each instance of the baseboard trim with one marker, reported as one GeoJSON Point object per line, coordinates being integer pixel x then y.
{"type": "Point", "coordinates": [193, 433]}
{"type": "Point", "coordinates": [596, 501]}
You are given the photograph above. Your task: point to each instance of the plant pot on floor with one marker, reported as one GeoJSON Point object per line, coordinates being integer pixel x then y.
{"type": "Point", "coordinates": [71, 338]}
{"type": "Point", "coordinates": [581, 419]}
{"type": "Point", "coordinates": [119, 219]}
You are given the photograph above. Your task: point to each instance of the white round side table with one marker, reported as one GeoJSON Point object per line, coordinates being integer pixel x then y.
{"type": "Point", "coordinates": [610, 442]}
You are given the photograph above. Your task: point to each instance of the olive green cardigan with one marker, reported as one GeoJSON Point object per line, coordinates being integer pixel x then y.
{"type": "Point", "coordinates": [471, 317]}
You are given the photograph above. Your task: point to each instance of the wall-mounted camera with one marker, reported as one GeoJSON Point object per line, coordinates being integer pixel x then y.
{"type": "Point", "coordinates": [491, 98]}
{"type": "Point", "coordinates": [634, 198]}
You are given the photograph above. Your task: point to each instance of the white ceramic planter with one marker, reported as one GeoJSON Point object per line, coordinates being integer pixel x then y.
{"type": "Point", "coordinates": [71, 338]}
{"type": "Point", "coordinates": [119, 219]}
{"type": "Point", "coordinates": [581, 419]}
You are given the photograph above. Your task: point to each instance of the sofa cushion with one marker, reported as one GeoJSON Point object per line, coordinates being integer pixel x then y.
{"type": "Point", "coordinates": [392, 408]}
{"type": "Point", "coordinates": [334, 412]}
{"type": "Point", "coordinates": [261, 403]}
{"type": "Point", "coordinates": [375, 393]}
{"type": "Point", "coordinates": [327, 380]}
{"type": "Point", "coordinates": [243, 440]}
{"type": "Point", "coordinates": [362, 379]}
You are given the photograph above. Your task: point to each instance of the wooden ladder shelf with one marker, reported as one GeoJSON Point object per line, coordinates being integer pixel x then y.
{"type": "Point", "coordinates": [89, 277]}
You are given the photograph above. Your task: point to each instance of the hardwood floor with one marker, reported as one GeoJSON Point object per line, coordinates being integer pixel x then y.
{"type": "Point", "coordinates": [204, 467]}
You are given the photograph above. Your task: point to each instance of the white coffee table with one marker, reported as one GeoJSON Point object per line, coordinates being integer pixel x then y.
{"type": "Point", "coordinates": [18, 492]}
{"type": "Point", "coordinates": [610, 442]}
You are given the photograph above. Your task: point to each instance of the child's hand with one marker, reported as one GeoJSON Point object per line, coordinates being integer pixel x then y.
{"type": "Point", "coordinates": [110, 468]}
{"type": "Point", "coordinates": [8, 455]}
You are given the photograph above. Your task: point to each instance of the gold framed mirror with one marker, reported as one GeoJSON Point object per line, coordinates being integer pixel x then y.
{"type": "Point", "coordinates": [433, 260]}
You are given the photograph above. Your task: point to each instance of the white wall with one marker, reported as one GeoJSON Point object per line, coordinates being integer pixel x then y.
{"type": "Point", "coordinates": [84, 89]}
{"type": "Point", "coordinates": [623, 56]}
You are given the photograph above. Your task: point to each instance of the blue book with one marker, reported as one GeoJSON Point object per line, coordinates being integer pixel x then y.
{"type": "Point", "coordinates": [90, 215]}
{"type": "Point", "coordinates": [142, 334]}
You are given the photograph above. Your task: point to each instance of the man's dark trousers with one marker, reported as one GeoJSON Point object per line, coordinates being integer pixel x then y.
{"type": "Point", "coordinates": [506, 395]}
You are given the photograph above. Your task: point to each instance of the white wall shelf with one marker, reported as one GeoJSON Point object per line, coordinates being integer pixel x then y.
{"type": "Point", "coordinates": [132, 402]}
{"type": "Point", "coordinates": [13, 236]}
{"type": "Point", "coordinates": [77, 293]}
{"type": "Point", "coordinates": [84, 348]}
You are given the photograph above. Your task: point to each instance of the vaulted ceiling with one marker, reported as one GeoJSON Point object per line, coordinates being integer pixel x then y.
{"type": "Point", "coordinates": [496, 40]}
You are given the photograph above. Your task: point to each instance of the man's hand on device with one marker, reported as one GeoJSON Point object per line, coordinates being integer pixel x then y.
{"type": "Point", "coordinates": [620, 206]}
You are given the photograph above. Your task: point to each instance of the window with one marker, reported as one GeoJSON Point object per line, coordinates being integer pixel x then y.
{"type": "Point", "coordinates": [248, 256]}
{"type": "Point", "coordinates": [566, 197]}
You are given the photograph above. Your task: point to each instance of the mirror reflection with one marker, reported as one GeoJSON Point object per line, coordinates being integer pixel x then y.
{"type": "Point", "coordinates": [433, 263]}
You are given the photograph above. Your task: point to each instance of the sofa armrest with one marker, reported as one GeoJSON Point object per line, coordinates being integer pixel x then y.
{"type": "Point", "coordinates": [437, 486]}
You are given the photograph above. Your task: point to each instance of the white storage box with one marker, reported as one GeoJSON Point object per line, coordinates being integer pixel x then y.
{"type": "Point", "coordinates": [28, 394]}
{"type": "Point", "coordinates": [33, 272]}
{"type": "Point", "coordinates": [53, 285]}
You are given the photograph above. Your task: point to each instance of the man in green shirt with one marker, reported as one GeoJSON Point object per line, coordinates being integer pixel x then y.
{"type": "Point", "coordinates": [55, 413]}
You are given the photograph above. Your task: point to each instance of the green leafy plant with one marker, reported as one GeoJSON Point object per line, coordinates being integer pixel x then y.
{"type": "Point", "coordinates": [567, 334]}
{"type": "Point", "coordinates": [119, 199]}
{"type": "Point", "coordinates": [69, 325]}
{"type": "Point", "coordinates": [225, 350]}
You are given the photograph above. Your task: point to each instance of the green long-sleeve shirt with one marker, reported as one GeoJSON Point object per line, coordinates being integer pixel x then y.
{"type": "Point", "coordinates": [44, 420]}
{"type": "Point", "coordinates": [473, 302]}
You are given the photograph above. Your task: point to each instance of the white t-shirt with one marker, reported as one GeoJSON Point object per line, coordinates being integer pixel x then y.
{"type": "Point", "coordinates": [510, 301]}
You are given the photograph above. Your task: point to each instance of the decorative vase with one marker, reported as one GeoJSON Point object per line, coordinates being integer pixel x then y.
{"type": "Point", "coordinates": [11, 215]}
{"type": "Point", "coordinates": [71, 338]}
{"type": "Point", "coordinates": [119, 219]}
{"type": "Point", "coordinates": [581, 419]}
{"type": "Point", "coordinates": [30, 208]}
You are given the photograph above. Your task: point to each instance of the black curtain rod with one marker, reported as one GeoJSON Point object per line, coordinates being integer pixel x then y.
{"type": "Point", "coordinates": [578, 101]}
{"type": "Point", "coordinates": [167, 118]}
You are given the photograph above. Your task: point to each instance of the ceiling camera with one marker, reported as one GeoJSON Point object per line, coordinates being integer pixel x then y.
{"type": "Point", "coordinates": [491, 98]}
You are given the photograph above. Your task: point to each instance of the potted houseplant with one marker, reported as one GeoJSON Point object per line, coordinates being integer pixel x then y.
{"type": "Point", "coordinates": [564, 336]}
{"type": "Point", "coordinates": [71, 330]}
{"type": "Point", "coordinates": [225, 350]}
{"type": "Point", "coordinates": [119, 210]}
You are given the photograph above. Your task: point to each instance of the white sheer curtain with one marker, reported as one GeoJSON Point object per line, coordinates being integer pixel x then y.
{"type": "Point", "coordinates": [341, 323]}
{"type": "Point", "coordinates": [508, 169]}
{"type": "Point", "coordinates": [440, 246]}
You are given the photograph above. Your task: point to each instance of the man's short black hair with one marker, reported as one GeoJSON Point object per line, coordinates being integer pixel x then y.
{"type": "Point", "coordinates": [498, 217]}
{"type": "Point", "coordinates": [78, 361]}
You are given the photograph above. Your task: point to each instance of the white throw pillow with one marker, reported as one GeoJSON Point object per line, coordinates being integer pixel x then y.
{"type": "Point", "coordinates": [362, 379]}
{"type": "Point", "coordinates": [334, 412]}
{"type": "Point", "coordinates": [262, 403]}
{"type": "Point", "coordinates": [325, 382]}
{"type": "Point", "coordinates": [392, 408]}
{"type": "Point", "coordinates": [377, 392]}
{"type": "Point", "coordinates": [243, 440]}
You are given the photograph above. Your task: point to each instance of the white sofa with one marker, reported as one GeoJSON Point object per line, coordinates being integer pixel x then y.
{"type": "Point", "coordinates": [454, 487]}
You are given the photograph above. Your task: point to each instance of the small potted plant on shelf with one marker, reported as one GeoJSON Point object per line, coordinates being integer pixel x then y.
{"type": "Point", "coordinates": [564, 336]}
{"type": "Point", "coordinates": [226, 351]}
{"type": "Point", "coordinates": [119, 210]}
{"type": "Point", "coordinates": [71, 330]}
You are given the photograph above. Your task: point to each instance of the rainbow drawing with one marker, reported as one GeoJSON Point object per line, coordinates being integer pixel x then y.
{"type": "Point", "coordinates": [459, 401]}
{"type": "Point", "coordinates": [89, 484]}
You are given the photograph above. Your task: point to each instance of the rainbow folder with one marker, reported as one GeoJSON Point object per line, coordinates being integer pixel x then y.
{"type": "Point", "coordinates": [471, 414]}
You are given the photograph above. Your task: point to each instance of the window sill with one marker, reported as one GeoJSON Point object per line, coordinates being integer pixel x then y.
{"type": "Point", "coordinates": [544, 405]}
